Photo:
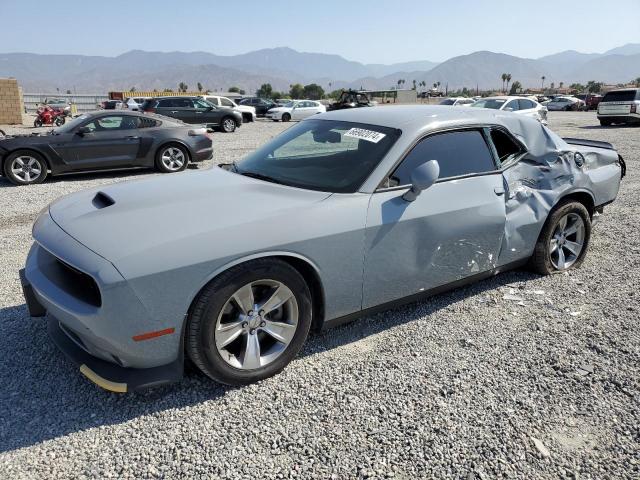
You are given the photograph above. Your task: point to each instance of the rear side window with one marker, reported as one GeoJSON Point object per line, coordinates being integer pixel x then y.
{"type": "Point", "coordinates": [146, 122]}
{"type": "Point", "coordinates": [506, 147]}
{"type": "Point", "coordinates": [621, 96]}
{"type": "Point", "coordinates": [525, 104]}
{"type": "Point", "coordinates": [226, 102]}
{"type": "Point", "coordinates": [458, 153]}
{"type": "Point", "coordinates": [166, 103]}
{"type": "Point", "coordinates": [513, 105]}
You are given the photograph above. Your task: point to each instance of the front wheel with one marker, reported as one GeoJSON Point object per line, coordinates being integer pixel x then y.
{"type": "Point", "coordinates": [250, 322]}
{"type": "Point", "coordinates": [172, 158]}
{"type": "Point", "coordinates": [286, 117]}
{"type": "Point", "coordinates": [563, 242]}
{"type": "Point", "coordinates": [37, 123]}
{"type": "Point", "coordinates": [25, 168]}
{"type": "Point", "coordinates": [228, 125]}
{"type": "Point", "coordinates": [59, 121]}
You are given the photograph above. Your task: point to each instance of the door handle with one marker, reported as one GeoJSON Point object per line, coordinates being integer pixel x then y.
{"type": "Point", "coordinates": [174, 111]}
{"type": "Point", "coordinates": [498, 191]}
{"type": "Point", "coordinates": [132, 137]}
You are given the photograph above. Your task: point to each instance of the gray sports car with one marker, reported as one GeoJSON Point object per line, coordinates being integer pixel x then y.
{"type": "Point", "coordinates": [344, 213]}
{"type": "Point", "coordinates": [104, 140]}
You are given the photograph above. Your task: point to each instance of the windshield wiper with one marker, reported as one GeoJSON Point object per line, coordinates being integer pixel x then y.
{"type": "Point", "coordinates": [260, 176]}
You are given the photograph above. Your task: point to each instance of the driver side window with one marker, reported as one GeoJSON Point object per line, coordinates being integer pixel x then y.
{"type": "Point", "coordinates": [458, 153]}
{"type": "Point", "coordinates": [112, 123]}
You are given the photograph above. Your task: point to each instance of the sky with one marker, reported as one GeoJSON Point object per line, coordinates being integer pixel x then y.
{"type": "Point", "coordinates": [366, 31]}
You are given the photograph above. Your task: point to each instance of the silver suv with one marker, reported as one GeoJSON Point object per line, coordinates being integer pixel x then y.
{"type": "Point", "coordinates": [620, 106]}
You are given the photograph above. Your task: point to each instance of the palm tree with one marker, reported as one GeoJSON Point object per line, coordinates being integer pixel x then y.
{"type": "Point", "coordinates": [504, 79]}
{"type": "Point", "coordinates": [561, 85]}
{"type": "Point", "coordinates": [199, 87]}
{"type": "Point", "coordinates": [414, 85]}
{"type": "Point", "coordinates": [543, 79]}
{"type": "Point", "coordinates": [508, 80]}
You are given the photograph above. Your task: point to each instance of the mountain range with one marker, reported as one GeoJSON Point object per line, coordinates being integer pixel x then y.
{"type": "Point", "coordinates": [283, 66]}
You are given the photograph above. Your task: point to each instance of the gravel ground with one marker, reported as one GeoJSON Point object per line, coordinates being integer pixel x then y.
{"type": "Point", "coordinates": [466, 385]}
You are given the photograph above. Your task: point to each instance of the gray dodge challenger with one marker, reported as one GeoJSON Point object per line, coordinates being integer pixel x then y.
{"type": "Point", "coordinates": [340, 215]}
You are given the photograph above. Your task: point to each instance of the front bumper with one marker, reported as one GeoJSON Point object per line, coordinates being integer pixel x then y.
{"type": "Point", "coordinates": [106, 327]}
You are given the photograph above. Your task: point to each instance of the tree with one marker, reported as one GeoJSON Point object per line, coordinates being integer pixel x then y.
{"type": "Point", "coordinates": [313, 91]}
{"type": "Point", "coordinates": [234, 89]}
{"type": "Point", "coordinates": [296, 90]}
{"type": "Point", "coordinates": [335, 94]}
{"type": "Point", "coordinates": [414, 85]}
{"type": "Point", "coordinates": [543, 78]}
{"type": "Point", "coordinates": [132, 89]}
{"type": "Point", "coordinates": [593, 86]}
{"type": "Point", "coordinates": [68, 92]}
{"type": "Point", "coordinates": [508, 80]}
{"type": "Point", "coordinates": [578, 87]}
{"type": "Point", "coordinates": [552, 86]}
{"type": "Point", "coordinates": [199, 86]}
{"type": "Point", "coordinates": [636, 82]}
{"type": "Point", "coordinates": [515, 88]}
{"type": "Point", "coordinates": [504, 79]}
{"type": "Point", "coordinates": [265, 91]}
{"type": "Point", "coordinates": [183, 87]}
{"type": "Point", "coordinates": [561, 85]}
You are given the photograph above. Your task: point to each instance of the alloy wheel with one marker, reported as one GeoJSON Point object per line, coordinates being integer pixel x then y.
{"type": "Point", "coordinates": [257, 324]}
{"type": "Point", "coordinates": [229, 125]}
{"type": "Point", "coordinates": [567, 241]}
{"type": "Point", "coordinates": [173, 158]}
{"type": "Point", "coordinates": [26, 168]}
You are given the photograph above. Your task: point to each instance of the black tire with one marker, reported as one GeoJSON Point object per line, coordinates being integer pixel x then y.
{"type": "Point", "coordinates": [173, 165]}
{"type": "Point", "coordinates": [286, 117]}
{"type": "Point", "coordinates": [541, 261]}
{"type": "Point", "coordinates": [59, 121]}
{"type": "Point", "coordinates": [38, 164]}
{"type": "Point", "coordinates": [37, 123]}
{"type": "Point", "coordinates": [200, 341]}
{"type": "Point", "coordinates": [247, 117]}
{"type": "Point", "coordinates": [228, 125]}
{"type": "Point", "coordinates": [605, 123]}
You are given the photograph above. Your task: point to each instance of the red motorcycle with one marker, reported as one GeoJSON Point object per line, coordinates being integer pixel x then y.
{"type": "Point", "coordinates": [49, 116]}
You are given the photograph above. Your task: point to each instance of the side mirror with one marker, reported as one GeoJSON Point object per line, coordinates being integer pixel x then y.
{"type": "Point", "coordinates": [422, 178]}
{"type": "Point", "coordinates": [83, 131]}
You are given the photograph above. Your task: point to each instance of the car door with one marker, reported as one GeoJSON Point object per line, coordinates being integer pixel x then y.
{"type": "Point", "coordinates": [527, 107]}
{"type": "Point", "coordinates": [452, 230]}
{"type": "Point", "coordinates": [111, 141]}
{"type": "Point", "coordinates": [304, 109]}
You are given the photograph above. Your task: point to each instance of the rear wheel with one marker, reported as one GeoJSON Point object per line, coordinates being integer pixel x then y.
{"type": "Point", "coordinates": [172, 158]}
{"type": "Point", "coordinates": [563, 242]}
{"type": "Point", "coordinates": [249, 322]}
{"type": "Point", "coordinates": [25, 168]}
{"type": "Point", "coordinates": [37, 123]}
{"type": "Point", "coordinates": [286, 117]}
{"type": "Point", "coordinates": [228, 125]}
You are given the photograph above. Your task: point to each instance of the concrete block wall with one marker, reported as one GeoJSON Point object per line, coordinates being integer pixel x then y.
{"type": "Point", "coordinates": [11, 106]}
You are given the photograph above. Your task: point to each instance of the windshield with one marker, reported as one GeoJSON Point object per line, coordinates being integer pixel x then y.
{"type": "Point", "coordinates": [326, 155]}
{"type": "Point", "coordinates": [70, 126]}
{"type": "Point", "coordinates": [494, 103]}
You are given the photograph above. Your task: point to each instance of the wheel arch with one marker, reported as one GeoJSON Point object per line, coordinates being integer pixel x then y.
{"type": "Point", "coordinates": [46, 158]}
{"type": "Point", "coordinates": [172, 141]}
{"type": "Point", "coordinates": [303, 265]}
{"type": "Point", "coordinates": [581, 196]}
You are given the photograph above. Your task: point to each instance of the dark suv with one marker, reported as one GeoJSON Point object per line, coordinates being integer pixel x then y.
{"type": "Point", "coordinates": [195, 110]}
{"type": "Point", "coordinates": [260, 104]}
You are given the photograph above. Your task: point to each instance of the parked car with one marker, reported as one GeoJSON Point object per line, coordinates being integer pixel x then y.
{"type": "Point", "coordinates": [195, 110]}
{"type": "Point", "coordinates": [58, 104]}
{"type": "Point", "coordinates": [134, 103]}
{"type": "Point", "coordinates": [620, 106]}
{"type": "Point", "coordinates": [296, 110]}
{"type": "Point", "coordinates": [344, 213]}
{"type": "Point", "coordinates": [261, 105]}
{"type": "Point", "coordinates": [565, 103]}
{"type": "Point", "coordinates": [111, 105]}
{"type": "Point", "coordinates": [591, 100]}
{"type": "Point", "coordinates": [519, 105]}
{"type": "Point", "coordinates": [457, 101]}
{"type": "Point", "coordinates": [104, 141]}
{"type": "Point", "coordinates": [248, 112]}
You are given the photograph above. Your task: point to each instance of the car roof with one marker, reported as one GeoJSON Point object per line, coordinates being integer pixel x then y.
{"type": "Point", "coordinates": [417, 117]}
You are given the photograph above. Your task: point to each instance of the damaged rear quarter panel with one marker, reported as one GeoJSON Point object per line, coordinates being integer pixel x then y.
{"type": "Point", "coordinates": [547, 173]}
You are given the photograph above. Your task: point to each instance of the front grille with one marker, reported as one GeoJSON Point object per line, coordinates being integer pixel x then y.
{"type": "Point", "coordinates": [79, 284]}
{"type": "Point", "coordinates": [68, 278]}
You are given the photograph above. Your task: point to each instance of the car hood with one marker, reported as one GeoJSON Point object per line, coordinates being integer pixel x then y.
{"type": "Point", "coordinates": [129, 218]}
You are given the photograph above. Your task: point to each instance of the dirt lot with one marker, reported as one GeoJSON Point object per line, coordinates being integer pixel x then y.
{"type": "Point", "coordinates": [467, 385]}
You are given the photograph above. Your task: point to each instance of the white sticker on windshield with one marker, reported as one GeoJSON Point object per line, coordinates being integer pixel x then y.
{"type": "Point", "coordinates": [368, 135]}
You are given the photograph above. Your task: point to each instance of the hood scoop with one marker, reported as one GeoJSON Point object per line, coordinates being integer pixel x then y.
{"type": "Point", "coordinates": [102, 200]}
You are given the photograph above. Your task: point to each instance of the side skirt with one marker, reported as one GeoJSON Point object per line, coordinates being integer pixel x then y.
{"type": "Point", "coordinates": [334, 322]}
